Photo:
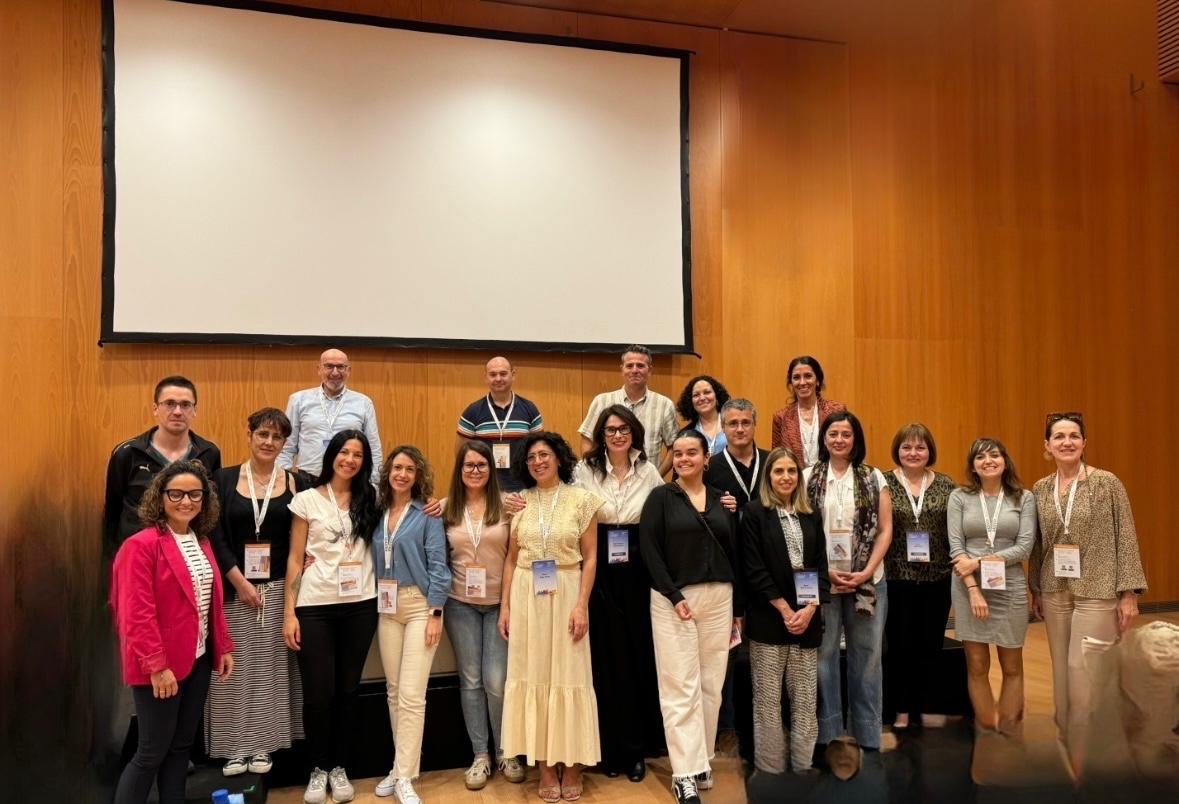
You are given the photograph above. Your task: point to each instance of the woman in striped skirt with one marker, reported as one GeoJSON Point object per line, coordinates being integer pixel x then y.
{"type": "Point", "coordinates": [260, 710]}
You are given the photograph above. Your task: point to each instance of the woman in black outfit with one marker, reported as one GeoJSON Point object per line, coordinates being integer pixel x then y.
{"type": "Point", "coordinates": [785, 559]}
{"type": "Point", "coordinates": [687, 540]}
{"type": "Point", "coordinates": [260, 710]}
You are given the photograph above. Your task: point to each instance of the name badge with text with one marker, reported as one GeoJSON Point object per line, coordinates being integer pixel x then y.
{"type": "Point", "coordinates": [618, 542]}
{"type": "Point", "coordinates": [502, 455]}
{"type": "Point", "coordinates": [1066, 561]}
{"type": "Point", "coordinates": [839, 549]}
{"type": "Point", "coordinates": [806, 587]}
{"type": "Point", "coordinates": [992, 573]}
{"type": "Point", "coordinates": [544, 576]}
{"type": "Point", "coordinates": [476, 585]}
{"type": "Point", "coordinates": [348, 579]}
{"type": "Point", "coordinates": [386, 596]}
{"type": "Point", "coordinates": [917, 546]}
{"type": "Point", "coordinates": [257, 562]}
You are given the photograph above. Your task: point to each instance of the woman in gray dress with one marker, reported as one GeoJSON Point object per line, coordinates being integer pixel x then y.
{"type": "Point", "coordinates": [992, 527]}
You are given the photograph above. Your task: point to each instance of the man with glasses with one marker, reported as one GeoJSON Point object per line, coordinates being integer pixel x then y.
{"type": "Point", "coordinates": [654, 410]}
{"type": "Point", "coordinates": [503, 419]}
{"type": "Point", "coordinates": [136, 461]}
{"type": "Point", "coordinates": [319, 413]}
{"type": "Point", "coordinates": [739, 467]}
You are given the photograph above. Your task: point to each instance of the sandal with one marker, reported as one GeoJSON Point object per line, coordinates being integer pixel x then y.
{"type": "Point", "coordinates": [551, 792]}
{"type": "Point", "coordinates": [571, 792]}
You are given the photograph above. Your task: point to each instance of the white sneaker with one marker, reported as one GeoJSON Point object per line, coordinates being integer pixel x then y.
{"type": "Point", "coordinates": [234, 767]}
{"type": "Point", "coordinates": [261, 763]}
{"type": "Point", "coordinates": [316, 792]}
{"type": "Point", "coordinates": [342, 789]}
{"type": "Point", "coordinates": [480, 771]}
{"type": "Point", "coordinates": [704, 781]}
{"type": "Point", "coordinates": [385, 786]}
{"type": "Point", "coordinates": [405, 793]}
{"type": "Point", "coordinates": [511, 769]}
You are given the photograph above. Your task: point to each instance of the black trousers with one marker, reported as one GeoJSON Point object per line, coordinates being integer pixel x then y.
{"type": "Point", "coordinates": [914, 634]}
{"type": "Point", "coordinates": [335, 642]}
{"type": "Point", "coordinates": [167, 727]}
{"type": "Point", "coordinates": [622, 654]}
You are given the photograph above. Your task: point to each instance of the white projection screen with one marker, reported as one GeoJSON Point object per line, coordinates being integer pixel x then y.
{"type": "Point", "coordinates": [277, 175]}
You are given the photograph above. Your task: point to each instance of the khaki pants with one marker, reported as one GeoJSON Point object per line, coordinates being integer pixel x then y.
{"type": "Point", "coordinates": [690, 661]}
{"type": "Point", "coordinates": [407, 661]}
{"type": "Point", "coordinates": [1068, 620]}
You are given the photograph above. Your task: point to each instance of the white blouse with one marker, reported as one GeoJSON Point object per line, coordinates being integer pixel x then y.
{"type": "Point", "coordinates": [202, 582]}
{"type": "Point", "coordinates": [622, 500]}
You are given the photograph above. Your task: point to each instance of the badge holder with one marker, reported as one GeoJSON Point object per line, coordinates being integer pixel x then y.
{"type": "Point", "coordinates": [476, 583]}
{"type": "Point", "coordinates": [544, 576]}
{"type": "Point", "coordinates": [618, 542]}
{"type": "Point", "coordinates": [386, 596]}
{"type": "Point", "coordinates": [806, 587]}
{"type": "Point", "coordinates": [257, 561]}
{"type": "Point", "coordinates": [502, 455]}
{"type": "Point", "coordinates": [348, 579]}
{"type": "Point", "coordinates": [993, 574]}
{"type": "Point", "coordinates": [917, 546]}
{"type": "Point", "coordinates": [1066, 561]}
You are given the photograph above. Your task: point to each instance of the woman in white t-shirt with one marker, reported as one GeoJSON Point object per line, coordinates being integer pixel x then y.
{"type": "Point", "coordinates": [857, 519]}
{"type": "Point", "coordinates": [331, 613]}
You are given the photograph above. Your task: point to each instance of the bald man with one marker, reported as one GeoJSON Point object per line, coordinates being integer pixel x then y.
{"type": "Point", "coordinates": [319, 413]}
{"type": "Point", "coordinates": [502, 419]}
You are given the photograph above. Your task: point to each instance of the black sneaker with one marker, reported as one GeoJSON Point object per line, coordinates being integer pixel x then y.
{"type": "Point", "coordinates": [684, 788]}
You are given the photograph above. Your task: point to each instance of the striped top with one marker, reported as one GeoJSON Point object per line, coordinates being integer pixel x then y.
{"type": "Point", "coordinates": [202, 582]}
{"type": "Point", "coordinates": [519, 418]}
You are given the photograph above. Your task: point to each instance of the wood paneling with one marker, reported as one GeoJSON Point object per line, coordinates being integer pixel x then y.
{"type": "Point", "coordinates": [962, 211]}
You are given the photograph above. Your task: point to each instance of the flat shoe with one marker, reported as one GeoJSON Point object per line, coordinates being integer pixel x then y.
{"type": "Point", "coordinates": [638, 772]}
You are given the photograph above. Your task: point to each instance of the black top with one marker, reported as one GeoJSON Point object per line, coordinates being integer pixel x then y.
{"type": "Point", "coordinates": [720, 476]}
{"type": "Point", "coordinates": [679, 550]}
{"type": "Point", "coordinates": [770, 575]}
{"type": "Point", "coordinates": [132, 466]}
{"type": "Point", "coordinates": [235, 528]}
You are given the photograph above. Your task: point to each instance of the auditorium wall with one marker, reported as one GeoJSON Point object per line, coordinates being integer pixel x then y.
{"type": "Point", "coordinates": [961, 208]}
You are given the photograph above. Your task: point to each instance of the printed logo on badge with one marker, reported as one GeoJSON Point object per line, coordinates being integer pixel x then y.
{"type": "Point", "coordinates": [618, 542]}
{"type": "Point", "coordinates": [257, 562]}
{"type": "Point", "coordinates": [806, 587]}
{"type": "Point", "coordinates": [544, 576]}
{"type": "Point", "coordinates": [502, 455]}
{"type": "Point", "coordinates": [348, 579]}
{"type": "Point", "coordinates": [917, 546]}
{"type": "Point", "coordinates": [476, 585]}
{"type": "Point", "coordinates": [993, 573]}
{"type": "Point", "coordinates": [386, 596]}
{"type": "Point", "coordinates": [1066, 561]}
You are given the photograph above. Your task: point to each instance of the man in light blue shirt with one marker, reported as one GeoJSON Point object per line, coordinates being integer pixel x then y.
{"type": "Point", "coordinates": [318, 413]}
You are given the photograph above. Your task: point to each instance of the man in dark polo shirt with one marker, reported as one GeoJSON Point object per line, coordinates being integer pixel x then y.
{"type": "Point", "coordinates": [502, 418]}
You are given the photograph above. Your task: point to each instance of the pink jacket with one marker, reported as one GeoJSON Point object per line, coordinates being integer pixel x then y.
{"type": "Point", "coordinates": [155, 607]}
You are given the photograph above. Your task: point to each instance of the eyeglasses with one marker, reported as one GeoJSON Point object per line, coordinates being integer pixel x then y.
{"type": "Point", "coordinates": [340, 367]}
{"type": "Point", "coordinates": [539, 457]}
{"type": "Point", "coordinates": [623, 430]}
{"type": "Point", "coordinates": [1069, 416]}
{"type": "Point", "coordinates": [475, 468]}
{"type": "Point", "coordinates": [176, 495]}
{"type": "Point", "coordinates": [172, 404]}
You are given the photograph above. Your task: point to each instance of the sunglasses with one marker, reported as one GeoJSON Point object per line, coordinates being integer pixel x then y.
{"type": "Point", "coordinates": [1067, 416]}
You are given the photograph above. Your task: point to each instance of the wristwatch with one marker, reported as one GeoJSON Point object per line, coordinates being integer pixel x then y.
{"type": "Point", "coordinates": [436, 612]}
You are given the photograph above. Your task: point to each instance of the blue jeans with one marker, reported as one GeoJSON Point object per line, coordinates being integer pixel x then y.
{"type": "Point", "coordinates": [482, 657]}
{"type": "Point", "coordinates": [864, 653]}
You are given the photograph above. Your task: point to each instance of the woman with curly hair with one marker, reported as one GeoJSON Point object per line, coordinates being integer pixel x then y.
{"type": "Point", "coordinates": [550, 710]}
{"type": "Point", "coordinates": [167, 598]}
{"type": "Point", "coordinates": [413, 581]}
{"type": "Point", "coordinates": [699, 406]}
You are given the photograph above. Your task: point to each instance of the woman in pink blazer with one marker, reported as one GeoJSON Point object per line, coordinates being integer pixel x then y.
{"type": "Point", "coordinates": [167, 599]}
{"type": "Point", "coordinates": [797, 425]}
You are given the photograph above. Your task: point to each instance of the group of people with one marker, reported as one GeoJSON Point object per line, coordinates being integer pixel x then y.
{"type": "Point", "coordinates": [592, 606]}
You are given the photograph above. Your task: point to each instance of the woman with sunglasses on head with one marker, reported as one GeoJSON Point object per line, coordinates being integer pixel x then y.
{"type": "Point", "coordinates": [857, 521]}
{"type": "Point", "coordinates": [617, 471]}
{"type": "Point", "coordinates": [550, 712]}
{"type": "Point", "coordinates": [688, 542]}
{"type": "Point", "coordinates": [167, 599]}
{"type": "Point", "coordinates": [1086, 570]}
{"type": "Point", "coordinates": [413, 581]}
{"type": "Point", "coordinates": [260, 710]}
{"type": "Point", "coordinates": [331, 613]}
{"type": "Point", "coordinates": [992, 525]}
{"type": "Point", "coordinates": [797, 425]}
{"type": "Point", "coordinates": [699, 406]}
{"type": "Point", "coordinates": [477, 527]}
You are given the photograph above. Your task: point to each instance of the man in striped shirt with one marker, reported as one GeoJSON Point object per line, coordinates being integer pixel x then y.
{"type": "Point", "coordinates": [502, 419]}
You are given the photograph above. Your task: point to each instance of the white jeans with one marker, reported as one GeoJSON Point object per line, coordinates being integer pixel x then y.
{"type": "Point", "coordinates": [1068, 620]}
{"type": "Point", "coordinates": [407, 661]}
{"type": "Point", "coordinates": [691, 657]}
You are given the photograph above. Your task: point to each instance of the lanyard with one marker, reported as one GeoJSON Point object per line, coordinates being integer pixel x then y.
{"type": "Point", "coordinates": [1066, 516]}
{"type": "Point", "coordinates": [915, 504]}
{"type": "Point", "coordinates": [391, 535]}
{"type": "Point", "coordinates": [841, 488]}
{"type": "Point", "coordinates": [507, 416]}
{"type": "Point", "coordinates": [345, 533]}
{"type": "Point", "coordinates": [260, 510]}
{"type": "Point", "coordinates": [331, 420]}
{"type": "Point", "coordinates": [736, 474]}
{"type": "Point", "coordinates": [546, 528]}
{"type": "Point", "coordinates": [991, 524]}
{"type": "Point", "coordinates": [475, 534]}
{"type": "Point", "coordinates": [810, 436]}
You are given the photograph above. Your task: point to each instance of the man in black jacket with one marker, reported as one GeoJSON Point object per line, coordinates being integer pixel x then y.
{"type": "Point", "coordinates": [739, 467]}
{"type": "Point", "coordinates": [136, 461]}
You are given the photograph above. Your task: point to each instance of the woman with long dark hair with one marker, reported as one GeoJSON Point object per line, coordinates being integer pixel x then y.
{"type": "Point", "coordinates": [797, 425]}
{"type": "Point", "coordinates": [331, 613]}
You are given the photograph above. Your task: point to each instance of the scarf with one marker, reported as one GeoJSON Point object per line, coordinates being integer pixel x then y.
{"type": "Point", "coordinates": [864, 523]}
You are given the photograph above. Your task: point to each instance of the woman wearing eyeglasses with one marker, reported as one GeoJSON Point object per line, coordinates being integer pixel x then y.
{"type": "Point", "coordinates": [619, 474]}
{"type": "Point", "coordinates": [167, 599]}
{"type": "Point", "coordinates": [550, 712]}
{"type": "Point", "coordinates": [477, 534]}
{"type": "Point", "coordinates": [1085, 569]}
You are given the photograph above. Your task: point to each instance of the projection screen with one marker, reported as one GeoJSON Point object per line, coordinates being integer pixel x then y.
{"type": "Point", "coordinates": [275, 175]}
